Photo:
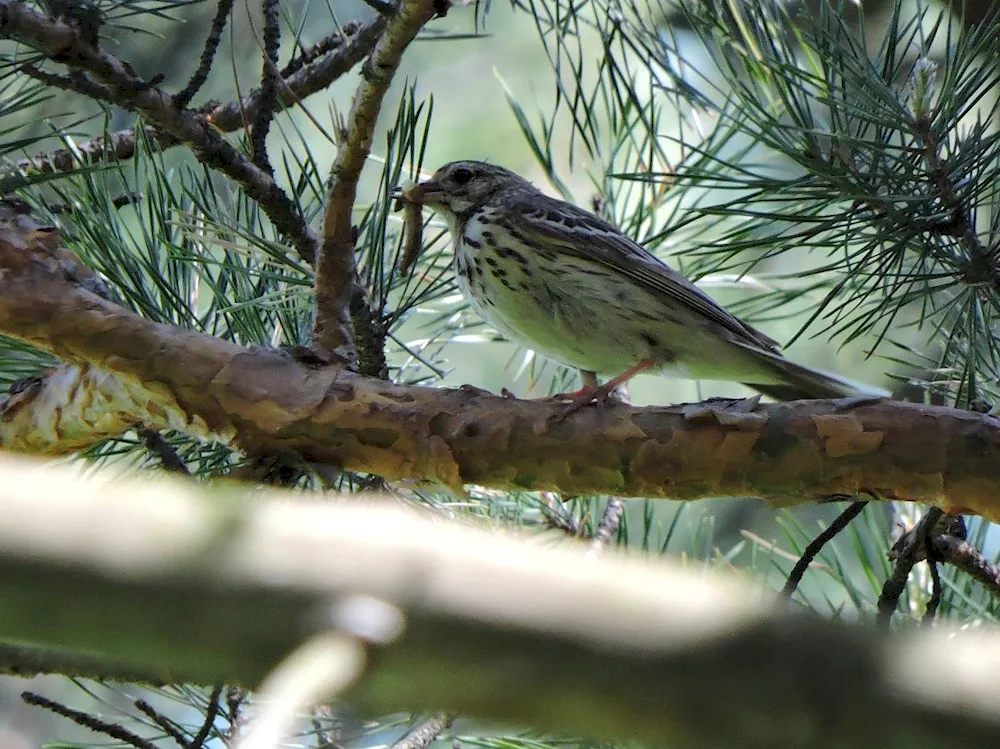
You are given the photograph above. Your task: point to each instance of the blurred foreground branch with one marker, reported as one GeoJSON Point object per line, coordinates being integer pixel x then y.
{"type": "Point", "coordinates": [635, 649]}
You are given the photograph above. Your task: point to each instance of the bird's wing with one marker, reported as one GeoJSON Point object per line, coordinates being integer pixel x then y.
{"type": "Point", "coordinates": [581, 233]}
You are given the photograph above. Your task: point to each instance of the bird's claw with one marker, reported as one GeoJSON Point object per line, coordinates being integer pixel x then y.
{"type": "Point", "coordinates": [602, 396]}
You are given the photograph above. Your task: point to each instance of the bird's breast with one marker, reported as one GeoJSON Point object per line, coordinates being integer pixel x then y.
{"type": "Point", "coordinates": [571, 310]}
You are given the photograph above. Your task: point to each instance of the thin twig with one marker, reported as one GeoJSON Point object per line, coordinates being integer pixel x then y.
{"type": "Point", "coordinates": [982, 264]}
{"type": "Point", "coordinates": [211, 713]}
{"type": "Point", "coordinates": [816, 545]}
{"type": "Point", "coordinates": [423, 735]}
{"type": "Point", "coordinates": [198, 78]}
{"type": "Point", "coordinates": [59, 41]}
{"type": "Point", "coordinates": [553, 508]}
{"type": "Point", "coordinates": [79, 83]}
{"type": "Point", "coordinates": [323, 47]}
{"type": "Point", "coordinates": [907, 557]}
{"type": "Point", "coordinates": [306, 80]}
{"type": "Point", "coordinates": [235, 698]}
{"type": "Point", "coordinates": [607, 528]}
{"type": "Point", "coordinates": [27, 661]}
{"type": "Point", "coordinates": [112, 730]}
{"type": "Point", "coordinates": [930, 613]}
{"type": "Point", "coordinates": [170, 728]}
{"type": "Point", "coordinates": [335, 266]}
{"type": "Point", "coordinates": [961, 554]}
{"type": "Point", "coordinates": [326, 737]}
{"type": "Point", "coordinates": [301, 82]}
{"type": "Point", "coordinates": [269, 81]}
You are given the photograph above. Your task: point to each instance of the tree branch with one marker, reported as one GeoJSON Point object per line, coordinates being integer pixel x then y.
{"type": "Point", "coordinates": [636, 649]}
{"type": "Point", "coordinates": [62, 42]}
{"type": "Point", "coordinates": [335, 266]}
{"type": "Point", "coordinates": [299, 84]}
{"type": "Point", "coordinates": [426, 733]}
{"type": "Point", "coordinates": [123, 369]}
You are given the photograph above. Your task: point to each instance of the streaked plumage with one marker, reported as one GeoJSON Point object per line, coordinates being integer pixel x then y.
{"type": "Point", "coordinates": [572, 287]}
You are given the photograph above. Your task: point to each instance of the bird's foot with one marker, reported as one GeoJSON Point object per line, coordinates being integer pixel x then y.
{"type": "Point", "coordinates": [602, 396]}
{"type": "Point", "coordinates": [583, 392]}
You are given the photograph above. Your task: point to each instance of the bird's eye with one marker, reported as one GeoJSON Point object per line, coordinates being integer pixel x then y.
{"type": "Point", "coordinates": [461, 175]}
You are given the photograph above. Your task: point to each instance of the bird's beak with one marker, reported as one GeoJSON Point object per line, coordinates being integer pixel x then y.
{"type": "Point", "coordinates": [426, 192]}
{"type": "Point", "coordinates": [430, 191]}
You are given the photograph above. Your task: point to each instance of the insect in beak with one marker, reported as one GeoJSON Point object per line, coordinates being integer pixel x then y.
{"type": "Point", "coordinates": [429, 191]}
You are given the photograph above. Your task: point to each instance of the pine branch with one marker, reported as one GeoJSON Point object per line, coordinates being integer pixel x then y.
{"type": "Point", "coordinates": [906, 558]}
{"type": "Point", "coordinates": [335, 266]}
{"type": "Point", "coordinates": [264, 401]}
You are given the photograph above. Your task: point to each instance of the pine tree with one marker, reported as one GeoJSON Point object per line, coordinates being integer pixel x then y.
{"type": "Point", "coordinates": [220, 288]}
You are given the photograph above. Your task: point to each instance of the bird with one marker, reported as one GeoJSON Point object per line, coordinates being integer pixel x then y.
{"type": "Point", "coordinates": [567, 284]}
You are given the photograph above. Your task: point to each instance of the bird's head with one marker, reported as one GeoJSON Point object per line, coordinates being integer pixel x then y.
{"type": "Point", "coordinates": [461, 186]}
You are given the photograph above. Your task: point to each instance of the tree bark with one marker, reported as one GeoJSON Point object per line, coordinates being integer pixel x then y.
{"type": "Point", "coordinates": [122, 369]}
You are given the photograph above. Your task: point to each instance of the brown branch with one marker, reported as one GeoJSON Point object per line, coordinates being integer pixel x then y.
{"type": "Point", "coordinates": [270, 80]}
{"type": "Point", "coordinates": [947, 543]}
{"type": "Point", "coordinates": [122, 369]}
{"type": "Point", "coordinates": [335, 266]}
{"type": "Point", "coordinates": [424, 735]}
{"type": "Point", "coordinates": [236, 698]}
{"type": "Point", "coordinates": [27, 661]}
{"type": "Point", "coordinates": [157, 444]}
{"type": "Point", "coordinates": [638, 650]}
{"type": "Point", "coordinates": [312, 78]}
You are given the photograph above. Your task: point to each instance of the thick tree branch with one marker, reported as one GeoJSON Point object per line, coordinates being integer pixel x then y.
{"type": "Point", "coordinates": [635, 649]}
{"type": "Point", "coordinates": [122, 369]}
{"type": "Point", "coordinates": [335, 265]}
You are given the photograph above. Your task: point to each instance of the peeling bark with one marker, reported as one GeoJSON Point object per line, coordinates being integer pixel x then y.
{"type": "Point", "coordinates": [122, 369]}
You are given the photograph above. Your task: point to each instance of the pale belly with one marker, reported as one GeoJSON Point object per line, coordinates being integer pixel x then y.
{"type": "Point", "coordinates": [567, 310]}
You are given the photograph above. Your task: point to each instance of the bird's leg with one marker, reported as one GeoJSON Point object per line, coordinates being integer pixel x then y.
{"type": "Point", "coordinates": [592, 392]}
{"type": "Point", "coordinates": [589, 382]}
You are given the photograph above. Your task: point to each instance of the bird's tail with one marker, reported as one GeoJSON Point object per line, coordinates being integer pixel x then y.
{"type": "Point", "coordinates": [795, 382]}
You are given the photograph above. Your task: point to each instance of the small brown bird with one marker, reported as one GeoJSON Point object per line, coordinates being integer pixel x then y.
{"type": "Point", "coordinates": [572, 287]}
